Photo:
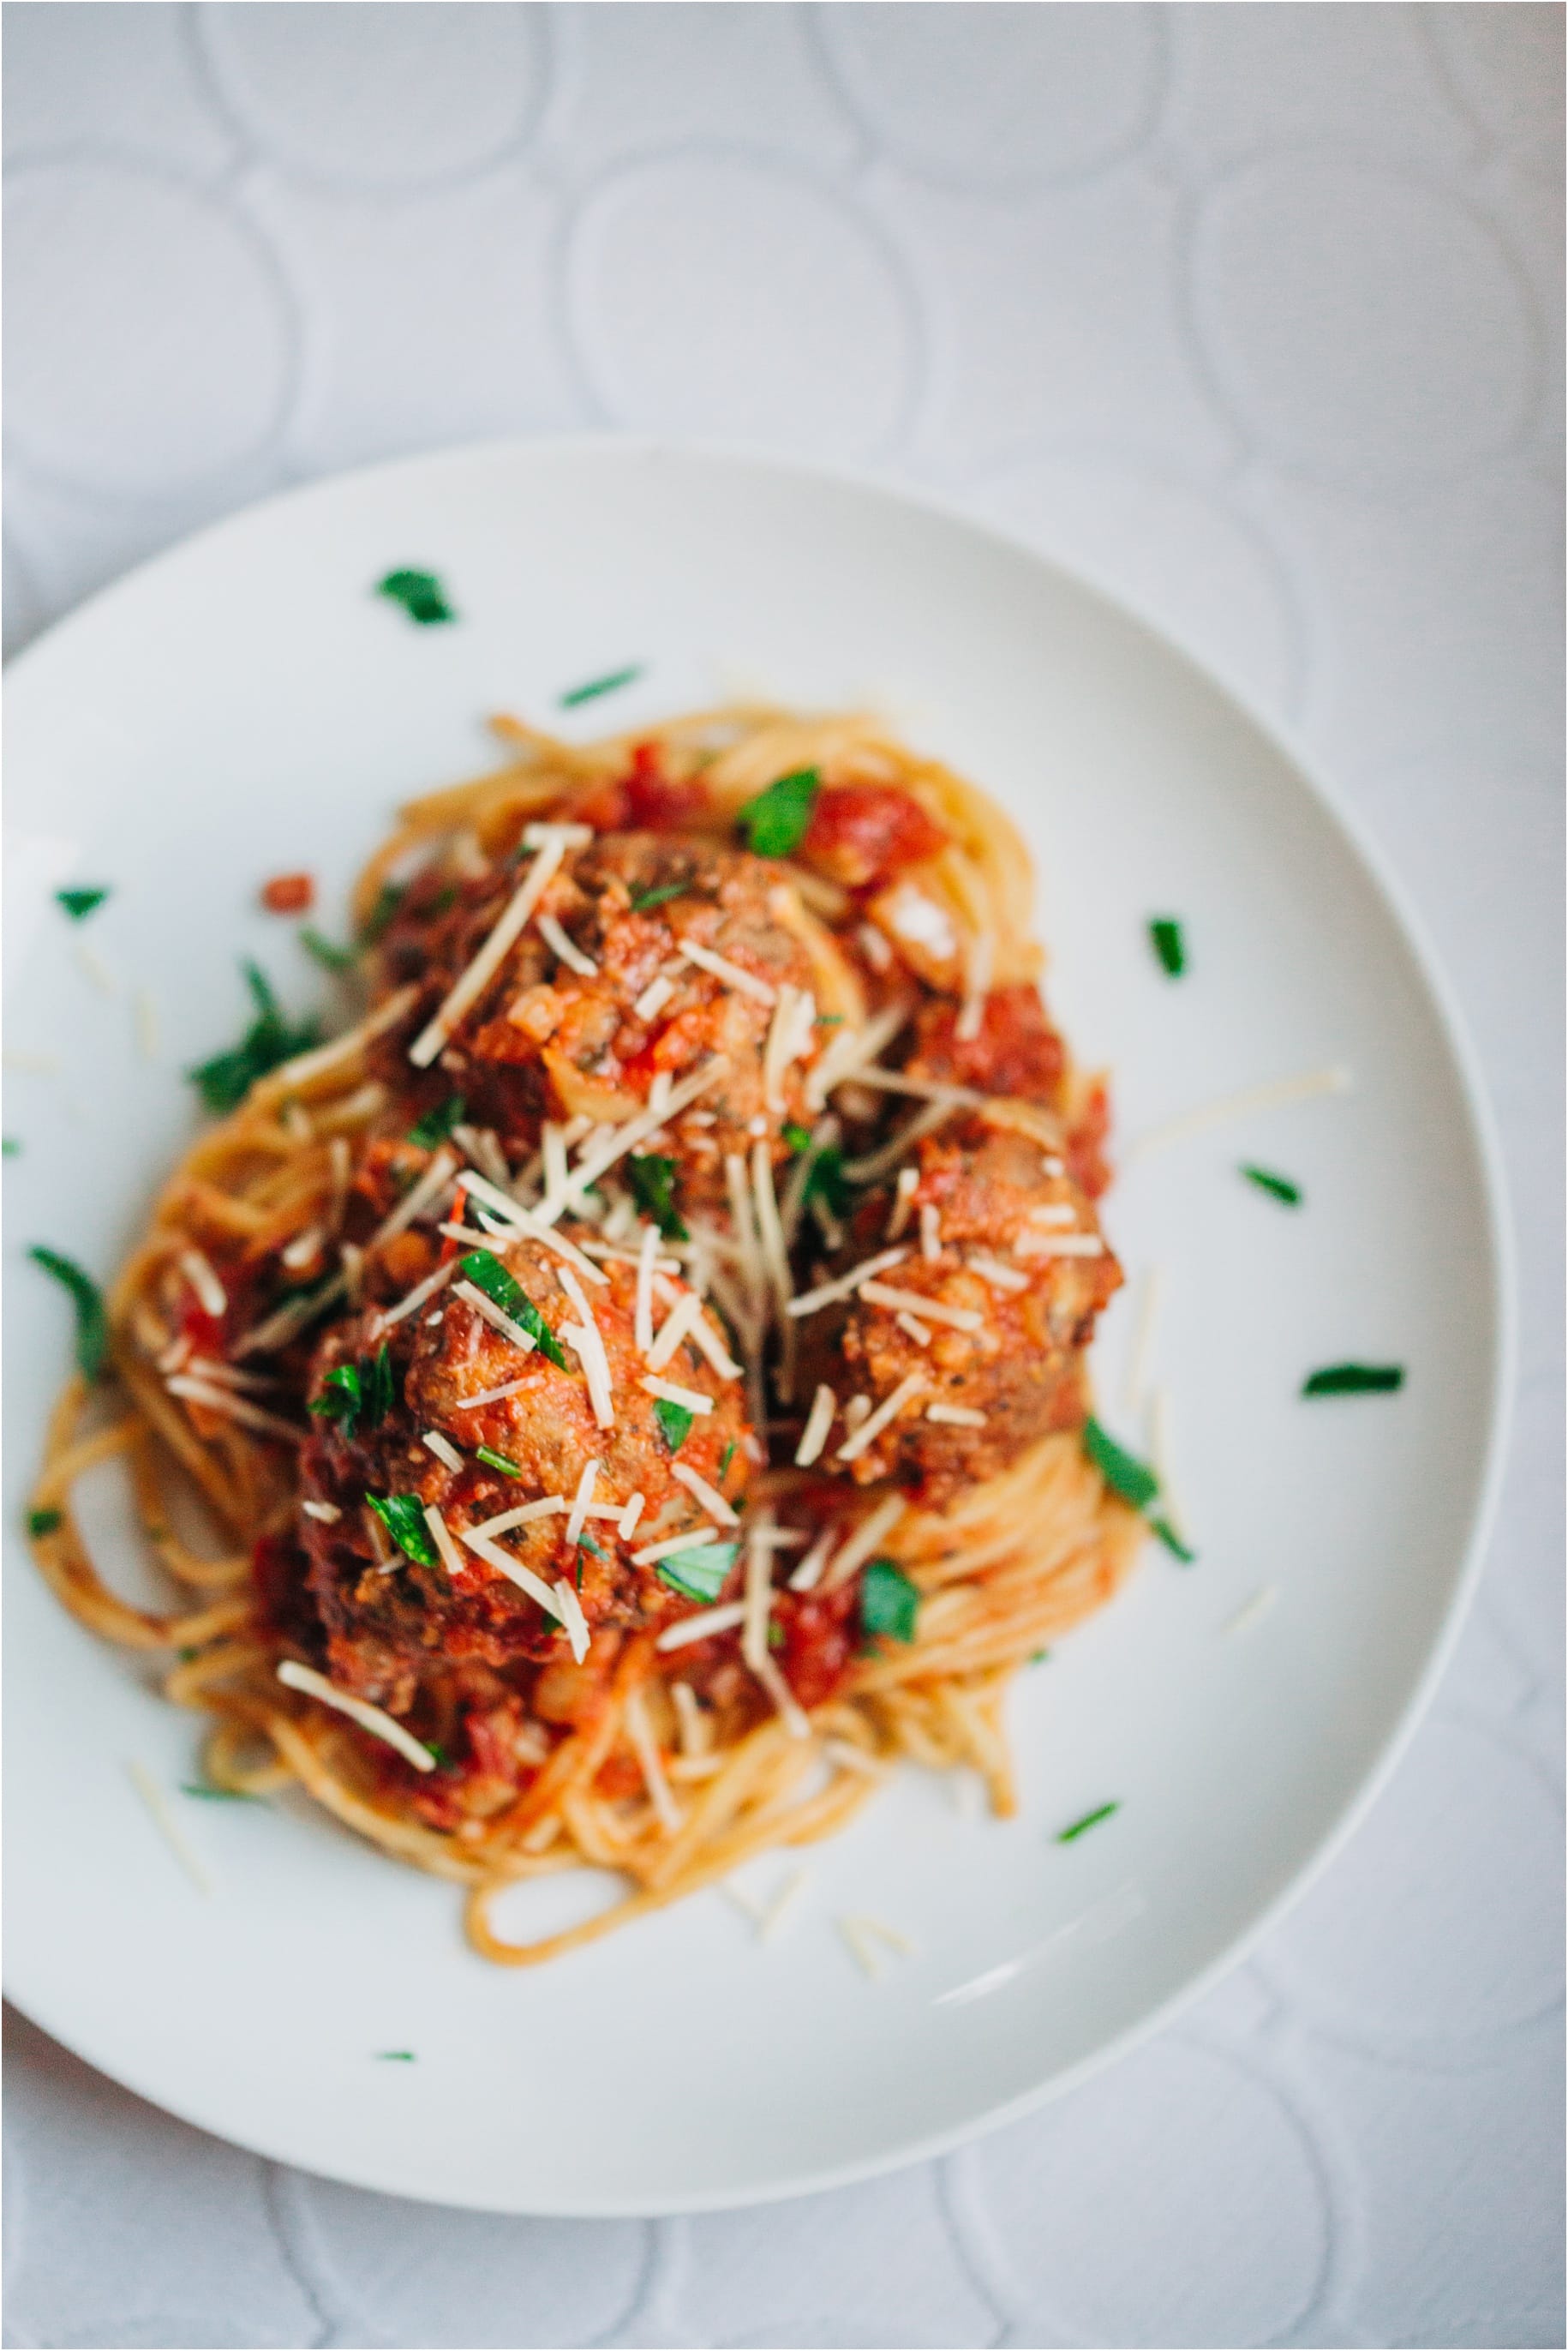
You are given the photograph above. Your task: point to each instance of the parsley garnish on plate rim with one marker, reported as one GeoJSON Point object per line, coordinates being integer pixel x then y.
{"type": "Point", "coordinates": [92, 1319]}
{"type": "Point", "coordinates": [611, 683]}
{"type": "Point", "coordinates": [1279, 1188]}
{"type": "Point", "coordinates": [79, 904]}
{"type": "Point", "coordinates": [1170, 945]}
{"type": "Point", "coordinates": [420, 593]}
{"type": "Point", "coordinates": [1354, 1379]}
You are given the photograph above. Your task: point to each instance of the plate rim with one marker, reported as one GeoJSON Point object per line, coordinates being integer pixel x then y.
{"type": "Point", "coordinates": [1497, 1221]}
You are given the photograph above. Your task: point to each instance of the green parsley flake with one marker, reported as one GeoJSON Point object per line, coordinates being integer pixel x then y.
{"type": "Point", "coordinates": [44, 1523]}
{"type": "Point", "coordinates": [652, 1180]}
{"type": "Point", "coordinates": [92, 1321]}
{"type": "Point", "coordinates": [1354, 1379]}
{"type": "Point", "coordinates": [611, 682]}
{"type": "Point", "coordinates": [1123, 1474]}
{"type": "Point", "coordinates": [729, 1455]}
{"type": "Point", "coordinates": [395, 2056]}
{"type": "Point", "coordinates": [330, 956]}
{"type": "Point", "coordinates": [9, 1148]}
{"type": "Point", "coordinates": [438, 1123]}
{"type": "Point", "coordinates": [641, 900]}
{"type": "Point", "coordinates": [389, 898]}
{"type": "Point", "coordinates": [1169, 944]}
{"type": "Point", "coordinates": [1280, 1187]}
{"type": "Point", "coordinates": [420, 593]}
{"type": "Point", "coordinates": [403, 1516]}
{"type": "Point", "coordinates": [1038, 1656]}
{"type": "Point", "coordinates": [797, 1137]}
{"type": "Point", "coordinates": [587, 1542]}
{"type": "Point", "coordinates": [1172, 1541]}
{"type": "Point", "coordinates": [225, 1081]}
{"type": "Point", "coordinates": [775, 821]}
{"type": "Point", "coordinates": [339, 1398]}
{"type": "Point", "coordinates": [699, 1574]}
{"type": "Point", "coordinates": [1089, 1821]}
{"type": "Point", "coordinates": [890, 1603]}
{"type": "Point", "coordinates": [212, 1795]}
{"type": "Point", "coordinates": [79, 904]}
{"type": "Point", "coordinates": [488, 1273]}
{"type": "Point", "coordinates": [507, 1467]}
{"type": "Point", "coordinates": [675, 1421]}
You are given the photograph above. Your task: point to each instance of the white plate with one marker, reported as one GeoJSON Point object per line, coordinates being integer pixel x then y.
{"type": "Point", "coordinates": [245, 705]}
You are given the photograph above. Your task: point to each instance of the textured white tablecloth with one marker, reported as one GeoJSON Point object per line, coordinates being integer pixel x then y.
{"type": "Point", "coordinates": [1253, 313]}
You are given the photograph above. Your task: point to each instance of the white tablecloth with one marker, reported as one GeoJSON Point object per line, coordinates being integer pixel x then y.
{"type": "Point", "coordinates": [1250, 313]}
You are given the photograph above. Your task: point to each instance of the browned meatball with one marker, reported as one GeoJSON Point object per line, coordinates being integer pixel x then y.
{"type": "Point", "coordinates": [1011, 1317]}
{"type": "Point", "coordinates": [387, 1610]}
{"type": "Point", "coordinates": [548, 1040]}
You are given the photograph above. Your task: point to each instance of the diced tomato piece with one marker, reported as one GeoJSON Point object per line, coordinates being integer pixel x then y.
{"type": "Point", "coordinates": [654, 803]}
{"type": "Point", "coordinates": [1017, 1051]}
{"type": "Point", "coordinates": [289, 893]}
{"type": "Point", "coordinates": [860, 833]}
{"type": "Point", "coordinates": [819, 1637]}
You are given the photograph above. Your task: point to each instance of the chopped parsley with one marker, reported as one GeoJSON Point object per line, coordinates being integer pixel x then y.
{"type": "Point", "coordinates": [389, 898]}
{"type": "Point", "coordinates": [587, 1542]}
{"type": "Point", "coordinates": [675, 1421]}
{"type": "Point", "coordinates": [79, 904]}
{"type": "Point", "coordinates": [354, 1392]}
{"type": "Point", "coordinates": [1353, 1379]}
{"type": "Point", "coordinates": [797, 1137]}
{"type": "Point", "coordinates": [326, 952]}
{"type": "Point", "coordinates": [403, 1516]}
{"type": "Point", "coordinates": [652, 1181]}
{"type": "Point", "coordinates": [775, 821]}
{"type": "Point", "coordinates": [502, 1461]}
{"type": "Point", "coordinates": [212, 1795]}
{"type": "Point", "coordinates": [397, 2057]}
{"type": "Point", "coordinates": [890, 1603]}
{"type": "Point", "coordinates": [420, 593]}
{"type": "Point", "coordinates": [225, 1081]}
{"type": "Point", "coordinates": [643, 899]}
{"type": "Point", "coordinates": [44, 1523]}
{"type": "Point", "coordinates": [1123, 1475]}
{"type": "Point", "coordinates": [488, 1273]}
{"type": "Point", "coordinates": [438, 1123]}
{"type": "Point", "coordinates": [92, 1321]}
{"type": "Point", "coordinates": [9, 1148]}
{"type": "Point", "coordinates": [611, 683]}
{"type": "Point", "coordinates": [699, 1574]}
{"type": "Point", "coordinates": [1172, 1541]}
{"type": "Point", "coordinates": [1038, 1656]}
{"type": "Point", "coordinates": [826, 1181]}
{"type": "Point", "coordinates": [729, 1456]}
{"type": "Point", "coordinates": [1089, 1821]}
{"type": "Point", "coordinates": [1279, 1186]}
{"type": "Point", "coordinates": [775, 1634]}
{"type": "Point", "coordinates": [1165, 932]}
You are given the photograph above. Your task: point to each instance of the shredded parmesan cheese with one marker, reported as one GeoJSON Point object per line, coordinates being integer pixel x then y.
{"type": "Point", "coordinates": [470, 982]}
{"type": "Point", "coordinates": [630, 1515]}
{"type": "Point", "coordinates": [580, 1500]}
{"type": "Point", "coordinates": [211, 1295]}
{"type": "Point", "coordinates": [234, 1408]}
{"type": "Point", "coordinates": [588, 1343]}
{"type": "Point", "coordinates": [1059, 1245]}
{"type": "Point", "coordinates": [693, 1399]}
{"type": "Point", "coordinates": [819, 1421]}
{"type": "Point", "coordinates": [871, 1428]}
{"type": "Point", "coordinates": [289, 1076]}
{"type": "Point", "coordinates": [789, 1036]}
{"type": "Point", "coordinates": [152, 1795]}
{"type": "Point", "coordinates": [490, 1395]}
{"type": "Point", "coordinates": [302, 1249]}
{"type": "Point", "coordinates": [513, 1570]}
{"type": "Point", "coordinates": [417, 1199]}
{"type": "Point", "coordinates": [654, 997]}
{"type": "Point", "coordinates": [1252, 1610]}
{"type": "Point", "coordinates": [903, 1201]}
{"type": "Point", "coordinates": [913, 1330]}
{"type": "Point", "coordinates": [703, 1626]}
{"type": "Point", "coordinates": [915, 1302]}
{"type": "Point", "coordinates": [638, 1130]}
{"type": "Point", "coordinates": [955, 1416]}
{"type": "Point", "coordinates": [982, 958]}
{"type": "Point", "coordinates": [440, 1535]}
{"type": "Point", "coordinates": [1054, 1212]}
{"type": "Point", "coordinates": [808, 1573]}
{"type": "Point", "coordinates": [858, 1548]}
{"type": "Point", "coordinates": [434, 1442]}
{"type": "Point", "coordinates": [676, 1327]}
{"type": "Point", "coordinates": [495, 1316]}
{"type": "Point", "coordinates": [328, 1512]}
{"type": "Point", "coordinates": [1000, 1276]}
{"type": "Point", "coordinates": [709, 1498]}
{"type": "Point", "coordinates": [570, 1610]}
{"type": "Point", "coordinates": [1333, 1080]}
{"type": "Point", "coordinates": [696, 1539]}
{"type": "Point", "coordinates": [570, 953]}
{"type": "Point", "coordinates": [721, 967]}
{"type": "Point", "coordinates": [829, 1292]}
{"type": "Point", "coordinates": [851, 1047]}
{"type": "Point", "coordinates": [416, 1297]}
{"type": "Point", "coordinates": [875, 1164]}
{"type": "Point", "coordinates": [931, 1233]}
{"type": "Point", "coordinates": [523, 1514]}
{"type": "Point", "coordinates": [369, 1718]}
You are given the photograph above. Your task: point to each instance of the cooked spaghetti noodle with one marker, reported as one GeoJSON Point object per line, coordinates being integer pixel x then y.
{"type": "Point", "coordinates": [637, 1372]}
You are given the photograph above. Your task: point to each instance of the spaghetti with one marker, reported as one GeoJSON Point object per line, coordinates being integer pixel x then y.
{"type": "Point", "coordinates": [639, 1371]}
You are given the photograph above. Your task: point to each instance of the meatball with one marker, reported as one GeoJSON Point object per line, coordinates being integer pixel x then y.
{"type": "Point", "coordinates": [392, 1598]}
{"type": "Point", "coordinates": [588, 1035]}
{"type": "Point", "coordinates": [1012, 1313]}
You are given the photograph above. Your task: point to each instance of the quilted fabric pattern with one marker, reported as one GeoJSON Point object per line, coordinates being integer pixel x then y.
{"type": "Point", "coordinates": [1253, 315]}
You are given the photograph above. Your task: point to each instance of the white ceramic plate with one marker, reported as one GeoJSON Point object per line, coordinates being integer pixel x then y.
{"type": "Point", "coordinates": [245, 705]}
